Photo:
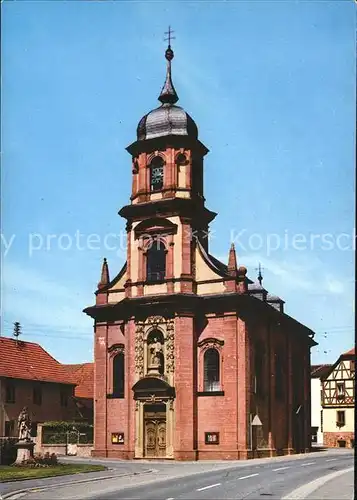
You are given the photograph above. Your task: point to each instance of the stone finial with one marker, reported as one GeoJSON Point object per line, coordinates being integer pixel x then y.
{"type": "Point", "coordinates": [104, 278]}
{"type": "Point", "coordinates": [232, 261]}
{"type": "Point", "coordinates": [242, 271]}
{"type": "Point", "coordinates": [243, 284]}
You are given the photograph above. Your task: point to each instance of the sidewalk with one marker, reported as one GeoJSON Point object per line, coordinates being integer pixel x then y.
{"type": "Point", "coordinates": [341, 488]}
{"type": "Point", "coordinates": [315, 452]}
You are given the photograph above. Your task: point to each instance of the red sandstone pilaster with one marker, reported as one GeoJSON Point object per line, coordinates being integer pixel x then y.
{"type": "Point", "coordinates": [307, 399]}
{"type": "Point", "coordinates": [185, 384]}
{"type": "Point", "coordinates": [271, 438]}
{"type": "Point", "coordinates": [130, 380]}
{"type": "Point", "coordinates": [168, 170]}
{"type": "Point", "coordinates": [289, 408]}
{"type": "Point", "coordinates": [170, 264]}
{"type": "Point", "coordinates": [243, 383]}
{"type": "Point", "coordinates": [142, 174]}
{"type": "Point", "coordinates": [189, 168]}
{"type": "Point", "coordinates": [101, 298]}
{"type": "Point", "coordinates": [186, 286]}
{"type": "Point", "coordinates": [100, 387]}
{"type": "Point", "coordinates": [128, 263]}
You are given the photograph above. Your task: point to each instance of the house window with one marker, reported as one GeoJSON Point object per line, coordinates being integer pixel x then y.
{"type": "Point", "coordinates": [9, 428]}
{"type": "Point", "coordinates": [10, 392]}
{"type": "Point", "coordinates": [118, 375]}
{"type": "Point", "coordinates": [352, 367]}
{"type": "Point", "coordinates": [37, 395]}
{"type": "Point", "coordinates": [321, 420]}
{"type": "Point", "coordinates": [340, 420]}
{"type": "Point", "coordinates": [340, 390]}
{"type": "Point", "coordinates": [64, 398]}
{"type": "Point", "coordinates": [157, 174]}
{"type": "Point", "coordinates": [211, 370]}
{"type": "Point", "coordinates": [156, 262]}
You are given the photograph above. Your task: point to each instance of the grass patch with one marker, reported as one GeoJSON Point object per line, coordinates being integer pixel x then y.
{"type": "Point", "coordinates": [9, 473]}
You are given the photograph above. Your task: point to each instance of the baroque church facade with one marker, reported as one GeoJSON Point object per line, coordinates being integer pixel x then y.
{"type": "Point", "coordinates": [193, 360]}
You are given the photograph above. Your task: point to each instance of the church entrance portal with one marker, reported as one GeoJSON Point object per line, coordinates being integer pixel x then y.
{"type": "Point", "coordinates": [155, 431]}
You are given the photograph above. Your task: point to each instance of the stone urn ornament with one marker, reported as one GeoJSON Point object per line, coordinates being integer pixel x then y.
{"type": "Point", "coordinates": [25, 445]}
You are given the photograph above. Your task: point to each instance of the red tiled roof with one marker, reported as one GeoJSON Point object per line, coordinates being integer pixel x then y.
{"type": "Point", "coordinates": [351, 351]}
{"type": "Point", "coordinates": [29, 361]}
{"type": "Point", "coordinates": [83, 375]}
{"type": "Point", "coordinates": [318, 371]}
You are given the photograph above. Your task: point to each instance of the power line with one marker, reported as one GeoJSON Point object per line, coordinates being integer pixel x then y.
{"type": "Point", "coordinates": [34, 335]}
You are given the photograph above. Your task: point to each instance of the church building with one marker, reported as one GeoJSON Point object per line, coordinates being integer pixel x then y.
{"type": "Point", "coordinates": [193, 360]}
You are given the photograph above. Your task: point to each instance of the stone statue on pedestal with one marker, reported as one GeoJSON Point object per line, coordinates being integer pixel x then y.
{"type": "Point", "coordinates": [25, 445]}
{"type": "Point", "coordinates": [155, 357]}
{"type": "Point", "coordinates": [24, 425]}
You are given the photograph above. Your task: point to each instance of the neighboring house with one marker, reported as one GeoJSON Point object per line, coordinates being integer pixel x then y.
{"type": "Point", "coordinates": [83, 375]}
{"type": "Point", "coordinates": [30, 376]}
{"type": "Point", "coordinates": [338, 402]}
{"type": "Point", "coordinates": [317, 371]}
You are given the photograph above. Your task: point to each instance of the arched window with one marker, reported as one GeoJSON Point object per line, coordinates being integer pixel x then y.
{"type": "Point", "coordinates": [211, 370]}
{"type": "Point", "coordinates": [156, 262]}
{"type": "Point", "coordinates": [157, 174]}
{"type": "Point", "coordinates": [118, 375]}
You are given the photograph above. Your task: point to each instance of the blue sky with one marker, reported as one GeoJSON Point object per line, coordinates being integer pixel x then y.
{"type": "Point", "coordinates": [271, 86]}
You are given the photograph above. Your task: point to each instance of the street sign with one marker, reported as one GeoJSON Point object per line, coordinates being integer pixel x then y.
{"type": "Point", "coordinates": [256, 421]}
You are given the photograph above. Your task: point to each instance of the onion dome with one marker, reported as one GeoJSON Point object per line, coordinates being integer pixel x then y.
{"type": "Point", "coordinates": [167, 119]}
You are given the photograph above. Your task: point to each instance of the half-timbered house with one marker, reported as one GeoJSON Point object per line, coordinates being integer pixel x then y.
{"type": "Point", "coordinates": [338, 402]}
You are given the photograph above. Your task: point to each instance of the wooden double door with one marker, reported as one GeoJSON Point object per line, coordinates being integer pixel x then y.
{"type": "Point", "coordinates": [155, 431]}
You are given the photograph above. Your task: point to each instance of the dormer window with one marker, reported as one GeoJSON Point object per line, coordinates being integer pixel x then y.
{"type": "Point", "coordinates": [156, 262]}
{"type": "Point", "coordinates": [157, 174]}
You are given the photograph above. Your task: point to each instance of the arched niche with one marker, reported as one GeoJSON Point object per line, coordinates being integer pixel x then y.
{"type": "Point", "coordinates": [155, 345]}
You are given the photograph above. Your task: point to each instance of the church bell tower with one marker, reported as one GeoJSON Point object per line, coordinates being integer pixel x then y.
{"type": "Point", "coordinates": [166, 215]}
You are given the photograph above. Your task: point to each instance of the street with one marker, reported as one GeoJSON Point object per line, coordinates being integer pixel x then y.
{"type": "Point", "coordinates": [316, 475]}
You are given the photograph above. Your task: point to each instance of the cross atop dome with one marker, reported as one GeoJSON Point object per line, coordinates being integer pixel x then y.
{"type": "Point", "coordinates": [168, 93]}
{"type": "Point", "coordinates": [169, 37]}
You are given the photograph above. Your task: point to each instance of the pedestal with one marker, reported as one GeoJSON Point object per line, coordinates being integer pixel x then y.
{"type": "Point", "coordinates": [153, 370]}
{"type": "Point", "coordinates": [24, 451]}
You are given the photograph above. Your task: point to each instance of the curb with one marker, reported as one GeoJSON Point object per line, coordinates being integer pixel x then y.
{"type": "Point", "coordinates": [68, 483]}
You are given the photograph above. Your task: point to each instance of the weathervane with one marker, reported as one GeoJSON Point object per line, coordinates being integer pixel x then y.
{"type": "Point", "coordinates": [169, 37]}
{"type": "Point", "coordinates": [260, 276]}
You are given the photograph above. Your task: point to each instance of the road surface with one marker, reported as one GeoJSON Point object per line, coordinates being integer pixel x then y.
{"type": "Point", "coordinates": [289, 478]}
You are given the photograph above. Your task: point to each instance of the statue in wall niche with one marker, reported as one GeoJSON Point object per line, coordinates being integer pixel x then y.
{"type": "Point", "coordinates": [156, 350]}
{"type": "Point", "coordinates": [155, 361]}
{"type": "Point", "coordinates": [24, 425]}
